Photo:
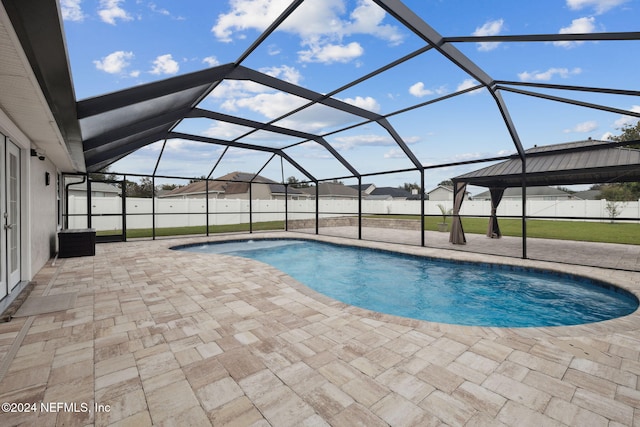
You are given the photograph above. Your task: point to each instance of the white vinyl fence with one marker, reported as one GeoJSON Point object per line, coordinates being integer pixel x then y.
{"type": "Point", "coordinates": [192, 212]}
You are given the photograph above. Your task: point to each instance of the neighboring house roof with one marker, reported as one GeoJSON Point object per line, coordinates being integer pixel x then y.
{"type": "Point", "coordinates": [103, 187]}
{"type": "Point", "coordinates": [531, 192]}
{"type": "Point", "coordinates": [365, 188]}
{"type": "Point", "coordinates": [231, 183]}
{"type": "Point", "coordinates": [580, 162]}
{"type": "Point", "coordinates": [394, 192]}
{"type": "Point", "coordinates": [331, 189]}
{"type": "Point", "coordinates": [587, 195]}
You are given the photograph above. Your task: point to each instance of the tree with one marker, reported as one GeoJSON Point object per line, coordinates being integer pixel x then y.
{"type": "Point", "coordinates": [446, 183]}
{"type": "Point", "coordinates": [295, 183]}
{"type": "Point", "coordinates": [407, 186]}
{"type": "Point", "coordinates": [629, 133]}
{"type": "Point", "coordinates": [624, 191]}
{"type": "Point", "coordinates": [142, 189]}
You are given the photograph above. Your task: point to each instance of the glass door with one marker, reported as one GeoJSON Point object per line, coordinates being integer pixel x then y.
{"type": "Point", "coordinates": [10, 209]}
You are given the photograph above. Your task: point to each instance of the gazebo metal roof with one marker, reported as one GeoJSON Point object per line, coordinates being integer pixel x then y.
{"type": "Point", "coordinates": [581, 162]}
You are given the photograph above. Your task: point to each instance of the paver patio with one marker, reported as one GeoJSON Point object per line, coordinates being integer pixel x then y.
{"type": "Point", "coordinates": [160, 337]}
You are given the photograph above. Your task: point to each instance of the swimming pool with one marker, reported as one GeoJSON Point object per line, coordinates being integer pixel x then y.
{"type": "Point", "coordinates": [436, 290]}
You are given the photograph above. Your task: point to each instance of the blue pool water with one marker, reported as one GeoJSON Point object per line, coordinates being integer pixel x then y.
{"type": "Point", "coordinates": [436, 290]}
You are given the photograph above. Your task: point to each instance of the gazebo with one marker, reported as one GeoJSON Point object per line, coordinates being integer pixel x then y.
{"type": "Point", "coordinates": [580, 162]}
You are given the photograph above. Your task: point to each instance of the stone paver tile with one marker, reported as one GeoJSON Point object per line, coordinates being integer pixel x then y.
{"type": "Point", "coordinates": [383, 357]}
{"type": "Point", "coordinates": [491, 350]}
{"type": "Point", "coordinates": [367, 367]}
{"type": "Point", "coordinates": [69, 373]}
{"type": "Point", "coordinates": [440, 378]}
{"type": "Point", "coordinates": [141, 419]}
{"type": "Point", "coordinates": [114, 364]}
{"type": "Point", "coordinates": [116, 377]}
{"type": "Point", "coordinates": [240, 363]}
{"type": "Point", "coordinates": [535, 363]}
{"type": "Point", "coordinates": [338, 372]}
{"type": "Point", "coordinates": [282, 407]}
{"type": "Point", "coordinates": [328, 400]}
{"type": "Point", "coordinates": [590, 382]}
{"type": "Point", "coordinates": [436, 356]}
{"type": "Point", "coordinates": [216, 394]}
{"type": "Point", "coordinates": [156, 364]}
{"type": "Point", "coordinates": [605, 372]}
{"type": "Point", "coordinates": [357, 415]}
{"type": "Point", "coordinates": [194, 416]}
{"type": "Point", "coordinates": [238, 412]}
{"type": "Point", "coordinates": [517, 391]}
{"type": "Point", "coordinates": [364, 390]}
{"type": "Point", "coordinates": [483, 420]}
{"type": "Point", "coordinates": [398, 411]}
{"type": "Point", "coordinates": [450, 346]}
{"type": "Point", "coordinates": [514, 414]}
{"type": "Point", "coordinates": [477, 362]}
{"type": "Point", "coordinates": [480, 398]}
{"type": "Point", "coordinates": [122, 407]}
{"type": "Point", "coordinates": [204, 372]}
{"type": "Point", "coordinates": [209, 349]}
{"type": "Point", "coordinates": [629, 396]}
{"type": "Point", "coordinates": [553, 386]}
{"type": "Point", "coordinates": [573, 415]}
{"type": "Point", "coordinates": [169, 402]}
{"type": "Point", "coordinates": [246, 338]}
{"type": "Point", "coordinates": [608, 408]}
{"type": "Point", "coordinates": [300, 377]}
{"type": "Point", "coordinates": [259, 383]}
{"type": "Point", "coordinates": [163, 380]}
{"type": "Point", "coordinates": [447, 408]}
{"type": "Point", "coordinates": [406, 385]}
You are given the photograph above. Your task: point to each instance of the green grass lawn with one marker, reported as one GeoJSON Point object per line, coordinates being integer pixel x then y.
{"type": "Point", "coordinates": [562, 230]}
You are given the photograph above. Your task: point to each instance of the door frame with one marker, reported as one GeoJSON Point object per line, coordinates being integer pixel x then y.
{"type": "Point", "coordinates": [14, 222]}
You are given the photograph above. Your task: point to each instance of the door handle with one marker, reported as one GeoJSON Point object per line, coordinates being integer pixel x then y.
{"type": "Point", "coordinates": [8, 226]}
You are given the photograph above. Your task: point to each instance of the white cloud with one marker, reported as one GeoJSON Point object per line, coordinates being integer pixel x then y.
{"type": "Point", "coordinates": [110, 11]}
{"type": "Point", "coordinates": [367, 103]}
{"type": "Point", "coordinates": [211, 61]}
{"type": "Point", "coordinates": [418, 90]}
{"type": "Point", "coordinates": [330, 53]}
{"type": "Point", "coordinates": [284, 72]}
{"type": "Point", "coordinates": [490, 28]}
{"type": "Point", "coordinates": [115, 62]}
{"type": "Point", "coordinates": [468, 83]}
{"type": "Point", "coordinates": [395, 153]}
{"type": "Point", "coordinates": [370, 140]}
{"type": "Point", "coordinates": [154, 7]}
{"type": "Point", "coordinates": [71, 10]}
{"type": "Point", "coordinates": [164, 64]}
{"type": "Point", "coordinates": [600, 6]}
{"type": "Point", "coordinates": [584, 127]}
{"type": "Point", "coordinates": [584, 25]}
{"type": "Point", "coordinates": [606, 136]}
{"type": "Point", "coordinates": [321, 26]}
{"type": "Point", "coordinates": [548, 75]}
{"type": "Point", "coordinates": [628, 120]}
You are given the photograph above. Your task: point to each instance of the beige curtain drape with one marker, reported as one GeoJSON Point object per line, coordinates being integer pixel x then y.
{"type": "Point", "coordinates": [494, 229]}
{"type": "Point", "coordinates": [456, 236]}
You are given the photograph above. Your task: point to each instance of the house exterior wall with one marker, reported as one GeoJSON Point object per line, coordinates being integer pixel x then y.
{"type": "Point", "coordinates": [441, 194]}
{"type": "Point", "coordinates": [38, 203]}
{"type": "Point", "coordinates": [43, 216]}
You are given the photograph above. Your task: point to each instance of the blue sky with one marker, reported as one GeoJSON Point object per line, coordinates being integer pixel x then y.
{"type": "Point", "coordinates": [324, 44]}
